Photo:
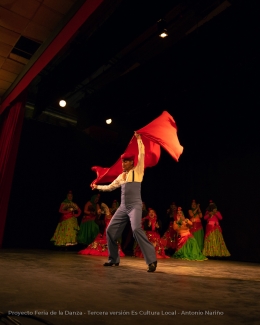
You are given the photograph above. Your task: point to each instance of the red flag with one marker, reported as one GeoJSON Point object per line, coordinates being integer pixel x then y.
{"type": "Point", "coordinates": [160, 132]}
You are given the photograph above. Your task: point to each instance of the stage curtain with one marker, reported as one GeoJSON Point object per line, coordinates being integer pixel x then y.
{"type": "Point", "coordinates": [11, 117]}
{"type": "Point", "coordinates": [10, 130]}
{"type": "Point", "coordinates": [54, 47]}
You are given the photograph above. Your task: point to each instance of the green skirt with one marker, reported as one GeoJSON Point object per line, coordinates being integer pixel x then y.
{"type": "Point", "coordinates": [88, 232]}
{"type": "Point", "coordinates": [190, 251]}
{"type": "Point", "coordinates": [214, 245]}
{"type": "Point", "coordinates": [199, 236]}
{"type": "Point", "coordinates": [66, 233]}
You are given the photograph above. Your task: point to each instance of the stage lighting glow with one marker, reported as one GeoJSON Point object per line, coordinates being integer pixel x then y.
{"type": "Point", "coordinates": [109, 121]}
{"type": "Point", "coordinates": [163, 35]}
{"type": "Point", "coordinates": [62, 103]}
{"type": "Point", "coordinates": [162, 28]}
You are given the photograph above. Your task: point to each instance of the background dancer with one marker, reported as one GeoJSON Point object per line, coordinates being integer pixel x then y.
{"type": "Point", "coordinates": [214, 244]}
{"type": "Point", "coordinates": [67, 228]}
{"type": "Point", "coordinates": [197, 228]}
{"type": "Point", "coordinates": [187, 246]}
{"type": "Point", "coordinates": [99, 246]}
{"type": "Point", "coordinates": [88, 227]}
{"type": "Point", "coordinates": [151, 226]}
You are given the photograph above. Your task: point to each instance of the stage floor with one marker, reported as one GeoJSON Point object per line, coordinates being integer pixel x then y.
{"type": "Point", "coordinates": [67, 288]}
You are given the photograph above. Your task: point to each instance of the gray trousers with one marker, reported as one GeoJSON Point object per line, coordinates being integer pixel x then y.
{"type": "Point", "coordinates": [116, 227]}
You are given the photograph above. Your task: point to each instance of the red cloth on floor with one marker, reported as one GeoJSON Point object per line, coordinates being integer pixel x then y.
{"type": "Point", "coordinates": [160, 132]}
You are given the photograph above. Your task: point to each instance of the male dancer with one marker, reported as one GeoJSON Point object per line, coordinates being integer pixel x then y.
{"type": "Point", "coordinates": [130, 207]}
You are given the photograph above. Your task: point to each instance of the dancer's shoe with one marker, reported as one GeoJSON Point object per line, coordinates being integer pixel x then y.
{"type": "Point", "coordinates": [110, 264]}
{"type": "Point", "coordinates": [152, 267]}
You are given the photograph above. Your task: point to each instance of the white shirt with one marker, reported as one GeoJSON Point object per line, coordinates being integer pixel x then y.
{"type": "Point", "coordinates": [138, 172]}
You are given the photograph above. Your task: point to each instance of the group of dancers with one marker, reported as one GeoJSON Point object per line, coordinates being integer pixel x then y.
{"type": "Point", "coordinates": [185, 235]}
{"type": "Point", "coordinates": [184, 238]}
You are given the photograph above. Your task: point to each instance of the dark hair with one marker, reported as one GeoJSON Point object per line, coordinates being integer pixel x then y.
{"type": "Point", "coordinates": [211, 207]}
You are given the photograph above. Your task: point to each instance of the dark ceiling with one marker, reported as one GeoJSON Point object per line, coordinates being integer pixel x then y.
{"type": "Point", "coordinates": [117, 67]}
{"type": "Point", "coordinates": [104, 65]}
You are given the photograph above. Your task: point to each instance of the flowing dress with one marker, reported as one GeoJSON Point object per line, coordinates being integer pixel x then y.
{"type": "Point", "coordinates": [89, 227]}
{"type": "Point", "coordinates": [169, 238]}
{"type": "Point", "coordinates": [99, 246]}
{"type": "Point", "coordinates": [214, 244]}
{"type": "Point", "coordinates": [67, 228]}
{"type": "Point", "coordinates": [197, 229]}
{"type": "Point", "coordinates": [152, 233]}
{"type": "Point", "coordinates": [88, 231]}
{"type": "Point", "coordinates": [187, 247]}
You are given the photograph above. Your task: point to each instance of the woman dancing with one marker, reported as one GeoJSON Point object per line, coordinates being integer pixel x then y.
{"type": "Point", "coordinates": [196, 229]}
{"type": "Point", "coordinates": [187, 246]}
{"type": "Point", "coordinates": [99, 246]}
{"type": "Point", "coordinates": [214, 244]}
{"type": "Point", "coordinates": [66, 231]}
{"type": "Point", "coordinates": [151, 226]}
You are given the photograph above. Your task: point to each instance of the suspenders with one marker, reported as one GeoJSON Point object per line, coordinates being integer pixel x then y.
{"type": "Point", "coordinates": [133, 176]}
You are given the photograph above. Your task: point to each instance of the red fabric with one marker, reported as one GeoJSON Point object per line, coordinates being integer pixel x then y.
{"type": "Point", "coordinates": [87, 218]}
{"type": "Point", "coordinates": [211, 228]}
{"type": "Point", "coordinates": [66, 216]}
{"type": "Point", "coordinates": [196, 226]}
{"type": "Point", "coordinates": [163, 131]}
{"type": "Point", "coordinates": [11, 126]}
{"type": "Point", "coordinates": [55, 46]}
{"type": "Point", "coordinates": [168, 239]}
{"type": "Point", "coordinates": [181, 241]}
{"type": "Point", "coordinates": [99, 246]}
{"type": "Point", "coordinates": [215, 217]}
{"type": "Point", "coordinates": [155, 239]}
{"type": "Point", "coordinates": [153, 222]}
{"type": "Point", "coordinates": [160, 132]}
